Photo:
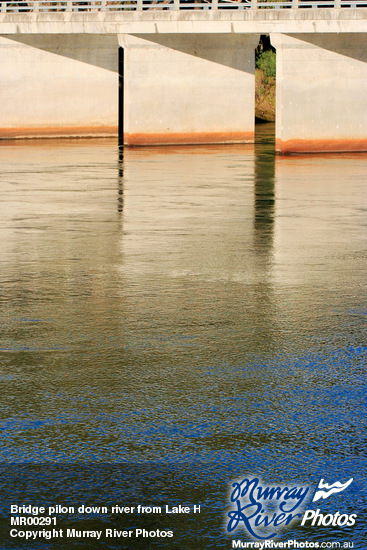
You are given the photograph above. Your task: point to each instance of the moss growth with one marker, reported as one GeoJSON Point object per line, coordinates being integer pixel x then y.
{"type": "Point", "coordinates": [266, 62]}
{"type": "Point", "coordinates": [265, 85]}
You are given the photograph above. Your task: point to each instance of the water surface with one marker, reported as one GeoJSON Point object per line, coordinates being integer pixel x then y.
{"type": "Point", "coordinates": [176, 318]}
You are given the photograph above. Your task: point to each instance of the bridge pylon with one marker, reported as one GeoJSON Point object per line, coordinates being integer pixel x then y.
{"type": "Point", "coordinates": [321, 92]}
{"type": "Point", "coordinates": [189, 88]}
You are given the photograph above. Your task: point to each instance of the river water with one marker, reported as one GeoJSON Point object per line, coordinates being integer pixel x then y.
{"type": "Point", "coordinates": [173, 319]}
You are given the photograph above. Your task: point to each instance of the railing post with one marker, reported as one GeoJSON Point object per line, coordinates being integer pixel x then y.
{"type": "Point", "coordinates": [103, 5]}
{"type": "Point", "coordinates": [253, 4]}
{"type": "Point", "coordinates": [69, 5]}
{"type": "Point", "coordinates": [36, 7]}
{"type": "Point", "coordinates": [4, 5]}
{"type": "Point", "coordinates": [337, 4]}
{"type": "Point", "coordinates": [214, 4]}
{"type": "Point", "coordinates": [176, 4]}
{"type": "Point", "coordinates": [139, 5]}
{"type": "Point", "coordinates": [295, 4]}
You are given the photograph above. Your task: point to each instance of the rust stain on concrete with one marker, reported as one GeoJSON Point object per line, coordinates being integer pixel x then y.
{"type": "Point", "coordinates": [55, 132]}
{"type": "Point", "coordinates": [320, 145]}
{"type": "Point", "coordinates": [188, 138]}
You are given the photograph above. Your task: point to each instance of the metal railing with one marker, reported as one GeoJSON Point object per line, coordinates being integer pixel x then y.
{"type": "Point", "coordinates": [42, 6]}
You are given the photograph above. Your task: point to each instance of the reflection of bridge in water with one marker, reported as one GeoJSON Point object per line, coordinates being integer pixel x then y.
{"type": "Point", "coordinates": [175, 71]}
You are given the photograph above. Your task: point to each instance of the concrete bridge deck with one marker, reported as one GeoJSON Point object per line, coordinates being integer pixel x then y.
{"type": "Point", "coordinates": [264, 21]}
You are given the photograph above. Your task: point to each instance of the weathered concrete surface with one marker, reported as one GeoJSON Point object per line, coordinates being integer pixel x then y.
{"type": "Point", "coordinates": [189, 75]}
{"type": "Point", "coordinates": [321, 93]}
{"type": "Point", "coordinates": [58, 86]}
{"type": "Point", "coordinates": [189, 88]}
{"type": "Point", "coordinates": [300, 20]}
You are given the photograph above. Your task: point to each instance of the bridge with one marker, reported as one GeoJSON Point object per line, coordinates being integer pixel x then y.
{"type": "Point", "coordinates": [182, 71]}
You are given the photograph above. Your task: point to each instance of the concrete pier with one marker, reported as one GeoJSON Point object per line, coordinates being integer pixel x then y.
{"type": "Point", "coordinates": [189, 89]}
{"type": "Point", "coordinates": [321, 92]}
{"type": "Point", "coordinates": [58, 85]}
